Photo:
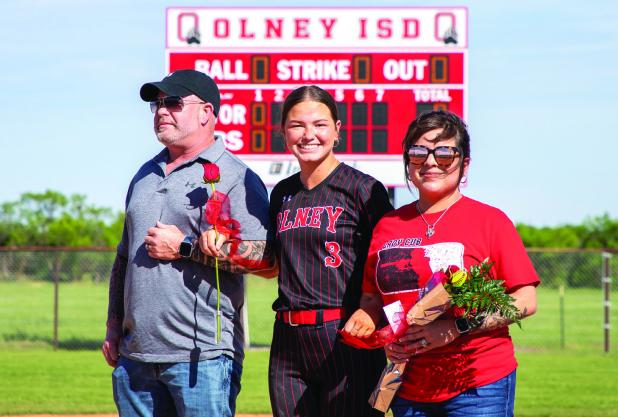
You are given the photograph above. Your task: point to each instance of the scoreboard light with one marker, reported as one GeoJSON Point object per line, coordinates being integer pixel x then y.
{"type": "Point", "coordinates": [379, 89]}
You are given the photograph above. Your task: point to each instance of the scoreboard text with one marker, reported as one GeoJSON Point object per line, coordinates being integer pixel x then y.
{"type": "Point", "coordinates": [408, 61]}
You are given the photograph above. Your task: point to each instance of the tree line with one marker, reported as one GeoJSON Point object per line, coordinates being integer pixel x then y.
{"type": "Point", "coordinates": [52, 219]}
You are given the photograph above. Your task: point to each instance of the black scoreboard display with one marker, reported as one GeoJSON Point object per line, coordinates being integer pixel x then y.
{"type": "Point", "coordinates": [383, 66]}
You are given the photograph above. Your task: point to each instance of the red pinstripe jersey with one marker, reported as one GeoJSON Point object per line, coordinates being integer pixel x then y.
{"type": "Point", "coordinates": [322, 236]}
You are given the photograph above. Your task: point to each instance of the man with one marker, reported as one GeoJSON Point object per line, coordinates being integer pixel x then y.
{"type": "Point", "coordinates": [161, 325]}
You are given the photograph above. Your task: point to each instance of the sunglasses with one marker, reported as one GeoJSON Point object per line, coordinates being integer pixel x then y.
{"type": "Point", "coordinates": [172, 103]}
{"type": "Point", "coordinates": [444, 155]}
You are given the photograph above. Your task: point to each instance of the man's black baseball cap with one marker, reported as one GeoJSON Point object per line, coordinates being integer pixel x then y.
{"type": "Point", "coordinates": [184, 83]}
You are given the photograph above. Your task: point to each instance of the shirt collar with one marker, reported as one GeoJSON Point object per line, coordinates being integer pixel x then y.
{"type": "Point", "coordinates": [211, 153]}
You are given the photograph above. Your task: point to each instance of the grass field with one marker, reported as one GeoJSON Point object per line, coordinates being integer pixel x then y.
{"type": "Point", "coordinates": [579, 380]}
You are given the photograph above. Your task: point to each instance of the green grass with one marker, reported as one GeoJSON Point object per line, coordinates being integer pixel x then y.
{"type": "Point", "coordinates": [261, 293]}
{"type": "Point", "coordinates": [577, 381]}
{"type": "Point", "coordinates": [583, 318]}
{"type": "Point", "coordinates": [566, 384]}
{"type": "Point", "coordinates": [41, 380]}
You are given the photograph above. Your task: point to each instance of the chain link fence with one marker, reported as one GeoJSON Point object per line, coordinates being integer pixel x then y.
{"type": "Point", "coordinates": [59, 296]}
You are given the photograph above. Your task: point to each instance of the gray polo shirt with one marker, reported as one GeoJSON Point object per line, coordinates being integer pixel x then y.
{"type": "Point", "coordinates": [170, 306]}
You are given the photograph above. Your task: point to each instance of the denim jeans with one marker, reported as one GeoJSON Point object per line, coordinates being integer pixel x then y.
{"type": "Point", "coordinates": [493, 400]}
{"type": "Point", "coordinates": [186, 389]}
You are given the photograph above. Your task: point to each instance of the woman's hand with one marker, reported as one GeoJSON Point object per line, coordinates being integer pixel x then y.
{"type": "Point", "coordinates": [421, 339]}
{"type": "Point", "coordinates": [211, 242]}
{"type": "Point", "coordinates": [398, 352]}
{"type": "Point", "coordinates": [360, 324]}
{"type": "Point", "coordinates": [363, 321]}
{"type": "Point", "coordinates": [433, 335]}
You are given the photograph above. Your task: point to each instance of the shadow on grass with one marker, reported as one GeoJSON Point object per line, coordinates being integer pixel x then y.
{"type": "Point", "coordinates": [259, 346]}
{"type": "Point", "coordinates": [67, 344]}
{"type": "Point", "coordinates": [80, 344]}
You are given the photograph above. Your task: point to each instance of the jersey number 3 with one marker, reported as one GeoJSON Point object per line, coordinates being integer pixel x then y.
{"type": "Point", "coordinates": [333, 260]}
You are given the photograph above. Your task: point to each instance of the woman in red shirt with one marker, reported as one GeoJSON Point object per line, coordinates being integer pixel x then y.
{"type": "Point", "coordinates": [455, 368]}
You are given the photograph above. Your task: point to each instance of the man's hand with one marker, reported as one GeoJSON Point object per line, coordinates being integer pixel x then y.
{"type": "Point", "coordinates": [163, 241]}
{"type": "Point", "coordinates": [110, 346]}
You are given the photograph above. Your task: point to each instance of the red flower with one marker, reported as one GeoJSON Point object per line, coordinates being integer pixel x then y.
{"type": "Point", "coordinates": [451, 270]}
{"type": "Point", "coordinates": [459, 311]}
{"type": "Point", "coordinates": [211, 173]}
{"type": "Point", "coordinates": [213, 213]}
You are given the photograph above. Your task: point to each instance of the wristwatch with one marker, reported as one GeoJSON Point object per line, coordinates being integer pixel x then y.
{"type": "Point", "coordinates": [186, 247]}
{"type": "Point", "coordinates": [463, 325]}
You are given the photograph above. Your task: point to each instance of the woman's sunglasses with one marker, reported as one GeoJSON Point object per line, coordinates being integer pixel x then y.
{"type": "Point", "coordinates": [444, 155]}
{"type": "Point", "coordinates": [171, 103]}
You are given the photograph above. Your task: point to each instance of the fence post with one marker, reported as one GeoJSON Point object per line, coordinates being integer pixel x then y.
{"type": "Point", "coordinates": [606, 280]}
{"type": "Point", "coordinates": [56, 284]}
{"type": "Point", "coordinates": [562, 331]}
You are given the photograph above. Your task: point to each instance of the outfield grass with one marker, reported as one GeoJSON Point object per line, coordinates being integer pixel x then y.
{"type": "Point", "coordinates": [577, 381]}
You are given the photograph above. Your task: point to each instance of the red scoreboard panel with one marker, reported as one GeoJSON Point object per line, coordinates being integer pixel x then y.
{"type": "Point", "coordinates": [378, 89]}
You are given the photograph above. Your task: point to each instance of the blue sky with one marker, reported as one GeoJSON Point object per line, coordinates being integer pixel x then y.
{"type": "Point", "coordinates": [543, 100]}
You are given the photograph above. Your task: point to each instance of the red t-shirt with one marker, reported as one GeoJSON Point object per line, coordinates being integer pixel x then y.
{"type": "Point", "coordinates": [402, 259]}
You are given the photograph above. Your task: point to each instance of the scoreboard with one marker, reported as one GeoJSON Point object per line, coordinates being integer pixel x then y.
{"type": "Point", "coordinates": [383, 66]}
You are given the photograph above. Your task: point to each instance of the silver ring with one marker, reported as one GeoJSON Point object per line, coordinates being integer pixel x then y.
{"type": "Point", "coordinates": [424, 342]}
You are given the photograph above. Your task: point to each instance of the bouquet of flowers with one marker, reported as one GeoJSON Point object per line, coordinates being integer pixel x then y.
{"type": "Point", "coordinates": [473, 294]}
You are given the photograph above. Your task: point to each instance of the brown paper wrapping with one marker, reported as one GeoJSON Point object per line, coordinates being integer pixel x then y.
{"type": "Point", "coordinates": [426, 310]}
{"type": "Point", "coordinates": [387, 387]}
{"type": "Point", "coordinates": [430, 307]}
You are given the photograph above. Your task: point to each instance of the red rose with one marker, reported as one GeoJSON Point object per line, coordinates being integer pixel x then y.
{"type": "Point", "coordinates": [211, 173]}
{"type": "Point", "coordinates": [451, 270]}
{"type": "Point", "coordinates": [459, 311]}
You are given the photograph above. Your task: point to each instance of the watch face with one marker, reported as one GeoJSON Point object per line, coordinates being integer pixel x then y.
{"type": "Point", "coordinates": [185, 249]}
{"type": "Point", "coordinates": [463, 325]}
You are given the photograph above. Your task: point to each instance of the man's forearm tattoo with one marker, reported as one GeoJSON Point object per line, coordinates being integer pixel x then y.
{"type": "Point", "coordinates": [240, 256]}
{"type": "Point", "coordinates": [115, 308]}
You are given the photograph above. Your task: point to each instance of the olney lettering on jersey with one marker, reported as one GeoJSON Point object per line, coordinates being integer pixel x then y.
{"type": "Point", "coordinates": [309, 217]}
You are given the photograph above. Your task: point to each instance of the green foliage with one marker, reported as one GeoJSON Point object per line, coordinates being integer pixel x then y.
{"type": "Point", "coordinates": [481, 295]}
{"type": "Point", "coordinates": [600, 232]}
{"type": "Point", "coordinates": [594, 233]}
{"type": "Point", "coordinates": [53, 219]}
{"type": "Point", "coordinates": [550, 237]}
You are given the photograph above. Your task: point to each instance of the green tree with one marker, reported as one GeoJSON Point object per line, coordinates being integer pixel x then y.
{"type": "Point", "coordinates": [600, 232]}
{"type": "Point", "coordinates": [595, 233]}
{"type": "Point", "coordinates": [53, 219]}
{"type": "Point", "coordinates": [578, 269]}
